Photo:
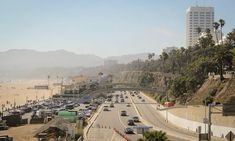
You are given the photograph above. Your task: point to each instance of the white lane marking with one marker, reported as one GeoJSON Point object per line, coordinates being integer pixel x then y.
{"type": "Point", "coordinates": [119, 117]}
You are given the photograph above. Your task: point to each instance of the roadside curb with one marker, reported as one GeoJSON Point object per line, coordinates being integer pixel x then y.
{"type": "Point", "coordinates": [154, 127]}
{"type": "Point", "coordinates": [91, 120]}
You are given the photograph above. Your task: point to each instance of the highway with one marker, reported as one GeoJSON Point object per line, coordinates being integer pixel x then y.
{"type": "Point", "coordinates": [112, 119]}
{"type": "Point", "coordinates": [150, 116]}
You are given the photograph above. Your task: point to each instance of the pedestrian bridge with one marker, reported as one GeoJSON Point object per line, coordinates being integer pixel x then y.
{"type": "Point", "coordinates": [125, 87]}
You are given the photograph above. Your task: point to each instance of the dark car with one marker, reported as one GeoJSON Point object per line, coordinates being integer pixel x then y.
{"type": "Point", "coordinates": [111, 105]}
{"type": "Point", "coordinates": [123, 113]}
{"type": "Point", "coordinates": [105, 109]}
{"type": "Point", "coordinates": [128, 105]}
{"type": "Point", "coordinates": [136, 119]}
{"type": "Point", "coordinates": [69, 107]}
{"type": "Point", "coordinates": [131, 122]}
{"type": "Point", "coordinates": [129, 130]}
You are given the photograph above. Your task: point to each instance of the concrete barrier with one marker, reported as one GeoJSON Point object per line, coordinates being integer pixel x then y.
{"type": "Point", "coordinates": [218, 131]}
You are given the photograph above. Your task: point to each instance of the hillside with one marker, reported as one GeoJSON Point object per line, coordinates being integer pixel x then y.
{"type": "Point", "coordinates": [137, 77]}
{"type": "Point", "coordinates": [220, 91]}
{"type": "Point", "coordinates": [24, 63]}
{"type": "Point", "coordinates": [31, 59]}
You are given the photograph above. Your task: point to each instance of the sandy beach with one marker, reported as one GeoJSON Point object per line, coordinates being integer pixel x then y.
{"type": "Point", "coordinates": [22, 133]}
{"type": "Point", "coordinates": [22, 90]}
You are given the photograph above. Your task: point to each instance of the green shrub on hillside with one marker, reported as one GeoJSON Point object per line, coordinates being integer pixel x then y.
{"type": "Point", "coordinates": [208, 100]}
{"type": "Point", "coordinates": [146, 79]}
{"type": "Point", "coordinates": [212, 92]}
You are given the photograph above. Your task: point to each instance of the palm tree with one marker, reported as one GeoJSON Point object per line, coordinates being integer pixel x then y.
{"type": "Point", "coordinates": [199, 30]}
{"type": "Point", "coordinates": [151, 55]}
{"type": "Point", "coordinates": [216, 27]}
{"type": "Point", "coordinates": [222, 23]}
{"type": "Point", "coordinates": [100, 73]}
{"type": "Point", "coordinates": [221, 51]}
{"type": "Point", "coordinates": [154, 136]}
{"type": "Point", "coordinates": [164, 57]}
{"type": "Point", "coordinates": [207, 30]}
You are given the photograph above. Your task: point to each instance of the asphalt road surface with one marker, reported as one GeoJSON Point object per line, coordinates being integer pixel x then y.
{"type": "Point", "coordinates": [112, 119]}
{"type": "Point", "coordinates": [148, 112]}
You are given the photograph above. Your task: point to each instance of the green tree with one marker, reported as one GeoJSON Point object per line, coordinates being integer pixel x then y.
{"type": "Point", "coordinates": [223, 54]}
{"type": "Point", "coordinates": [222, 23]}
{"type": "Point", "coordinates": [216, 27]}
{"type": "Point", "coordinates": [100, 73]}
{"type": "Point", "coordinates": [151, 55]}
{"type": "Point", "coordinates": [163, 57]}
{"type": "Point", "coordinates": [154, 136]}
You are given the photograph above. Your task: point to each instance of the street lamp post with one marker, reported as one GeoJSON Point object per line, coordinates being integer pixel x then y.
{"type": "Point", "coordinates": [209, 123]}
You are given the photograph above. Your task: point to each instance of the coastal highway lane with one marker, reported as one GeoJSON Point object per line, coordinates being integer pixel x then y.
{"type": "Point", "coordinates": [149, 113]}
{"type": "Point", "coordinates": [112, 119]}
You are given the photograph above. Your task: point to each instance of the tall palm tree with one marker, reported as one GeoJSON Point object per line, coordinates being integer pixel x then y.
{"type": "Point", "coordinates": [216, 27]}
{"type": "Point", "coordinates": [221, 50]}
{"type": "Point", "coordinates": [165, 57]}
{"type": "Point", "coordinates": [161, 61]}
{"type": "Point", "coordinates": [199, 30]}
{"type": "Point", "coordinates": [151, 55]}
{"type": "Point", "coordinates": [222, 23]}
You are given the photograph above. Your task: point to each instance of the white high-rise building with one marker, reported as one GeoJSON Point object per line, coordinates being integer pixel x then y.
{"type": "Point", "coordinates": [198, 17]}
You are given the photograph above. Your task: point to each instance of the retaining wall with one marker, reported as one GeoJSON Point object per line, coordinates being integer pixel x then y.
{"type": "Point", "coordinates": [219, 131]}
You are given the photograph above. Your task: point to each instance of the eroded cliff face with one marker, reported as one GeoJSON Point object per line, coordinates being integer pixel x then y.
{"type": "Point", "coordinates": [153, 79]}
{"type": "Point", "coordinates": [223, 92]}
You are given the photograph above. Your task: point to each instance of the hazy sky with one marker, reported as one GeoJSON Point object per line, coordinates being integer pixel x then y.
{"type": "Point", "coordinates": [100, 27]}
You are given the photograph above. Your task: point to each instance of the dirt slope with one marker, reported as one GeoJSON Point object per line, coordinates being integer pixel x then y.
{"type": "Point", "coordinates": [224, 91]}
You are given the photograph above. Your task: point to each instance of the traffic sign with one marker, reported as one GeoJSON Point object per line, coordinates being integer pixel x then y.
{"type": "Point", "coordinates": [230, 136]}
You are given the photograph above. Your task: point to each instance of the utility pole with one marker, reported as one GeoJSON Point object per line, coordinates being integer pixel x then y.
{"type": "Point", "coordinates": [166, 98]}
{"type": "Point", "coordinates": [14, 104]}
{"type": "Point", "coordinates": [210, 112]}
{"type": "Point", "coordinates": [209, 123]}
{"type": "Point", "coordinates": [48, 80]}
{"type": "Point", "coordinates": [205, 114]}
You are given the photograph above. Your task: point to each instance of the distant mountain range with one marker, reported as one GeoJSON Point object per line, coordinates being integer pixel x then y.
{"type": "Point", "coordinates": [24, 62]}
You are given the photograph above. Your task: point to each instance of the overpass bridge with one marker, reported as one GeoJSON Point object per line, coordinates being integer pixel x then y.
{"type": "Point", "coordinates": [113, 87]}
{"type": "Point", "coordinates": [125, 87]}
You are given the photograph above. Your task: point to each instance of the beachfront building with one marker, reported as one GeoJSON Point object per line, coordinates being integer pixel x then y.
{"type": "Point", "coordinates": [198, 17]}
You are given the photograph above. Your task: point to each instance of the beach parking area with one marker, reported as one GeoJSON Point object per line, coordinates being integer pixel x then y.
{"type": "Point", "coordinates": [20, 91]}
